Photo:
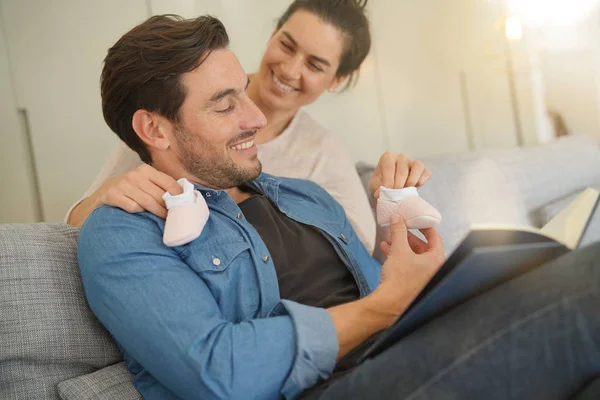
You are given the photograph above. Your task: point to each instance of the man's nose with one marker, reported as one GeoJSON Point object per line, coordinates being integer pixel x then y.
{"type": "Point", "coordinates": [253, 118]}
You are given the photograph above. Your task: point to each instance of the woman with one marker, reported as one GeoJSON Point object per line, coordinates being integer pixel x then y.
{"type": "Point", "coordinates": [318, 45]}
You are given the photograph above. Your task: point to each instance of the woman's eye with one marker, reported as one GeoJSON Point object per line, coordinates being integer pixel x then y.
{"type": "Point", "coordinates": [287, 46]}
{"type": "Point", "coordinates": [315, 67]}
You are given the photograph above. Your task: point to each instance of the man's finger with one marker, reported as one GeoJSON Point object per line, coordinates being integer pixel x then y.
{"type": "Point", "coordinates": [416, 243]}
{"type": "Point", "coordinates": [434, 240]}
{"type": "Point", "coordinates": [399, 234]}
{"type": "Point", "coordinates": [385, 248]}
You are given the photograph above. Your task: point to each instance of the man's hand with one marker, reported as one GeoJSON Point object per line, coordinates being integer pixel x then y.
{"type": "Point", "coordinates": [411, 263]}
{"type": "Point", "coordinates": [397, 171]}
{"type": "Point", "coordinates": [140, 189]}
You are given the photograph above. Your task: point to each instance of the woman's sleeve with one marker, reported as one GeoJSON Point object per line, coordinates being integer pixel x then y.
{"type": "Point", "coordinates": [337, 174]}
{"type": "Point", "coordinates": [121, 160]}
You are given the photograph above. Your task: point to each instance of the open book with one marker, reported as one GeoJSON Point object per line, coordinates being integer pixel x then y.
{"type": "Point", "coordinates": [488, 256]}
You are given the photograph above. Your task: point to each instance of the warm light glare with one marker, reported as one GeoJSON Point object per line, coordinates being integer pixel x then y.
{"type": "Point", "coordinates": [514, 28]}
{"type": "Point", "coordinates": [552, 12]}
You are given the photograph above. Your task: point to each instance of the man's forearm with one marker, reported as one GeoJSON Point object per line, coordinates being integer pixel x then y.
{"type": "Point", "coordinates": [357, 321]}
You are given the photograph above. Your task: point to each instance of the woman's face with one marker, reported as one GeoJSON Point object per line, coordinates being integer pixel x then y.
{"type": "Point", "coordinates": [300, 62]}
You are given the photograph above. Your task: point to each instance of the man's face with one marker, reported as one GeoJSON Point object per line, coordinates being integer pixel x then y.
{"type": "Point", "coordinates": [214, 140]}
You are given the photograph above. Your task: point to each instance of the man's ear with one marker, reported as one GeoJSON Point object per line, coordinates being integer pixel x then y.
{"type": "Point", "coordinates": [336, 82]}
{"type": "Point", "coordinates": [150, 128]}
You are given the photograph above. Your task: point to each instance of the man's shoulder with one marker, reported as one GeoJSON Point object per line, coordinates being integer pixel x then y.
{"type": "Point", "coordinates": [109, 229]}
{"type": "Point", "coordinates": [114, 217]}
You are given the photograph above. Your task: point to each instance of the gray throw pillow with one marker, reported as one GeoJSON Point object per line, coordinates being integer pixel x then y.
{"type": "Point", "coordinates": [47, 332]}
{"type": "Point", "coordinates": [110, 383]}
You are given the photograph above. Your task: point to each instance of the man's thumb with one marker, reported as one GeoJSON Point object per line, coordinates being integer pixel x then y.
{"type": "Point", "coordinates": [398, 231]}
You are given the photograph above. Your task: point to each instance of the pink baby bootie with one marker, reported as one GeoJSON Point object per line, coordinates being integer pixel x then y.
{"type": "Point", "coordinates": [187, 214]}
{"type": "Point", "coordinates": [417, 213]}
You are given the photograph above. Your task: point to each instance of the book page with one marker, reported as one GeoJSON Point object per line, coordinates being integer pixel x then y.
{"type": "Point", "coordinates": [569, 225]}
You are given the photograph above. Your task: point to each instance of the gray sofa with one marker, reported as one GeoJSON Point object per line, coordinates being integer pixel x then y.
{"type": "Point", "coordinates": [52, 347]}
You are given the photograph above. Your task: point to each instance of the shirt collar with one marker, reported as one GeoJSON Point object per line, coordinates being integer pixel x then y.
{"type": "Point", "coordinates": [265, 183]}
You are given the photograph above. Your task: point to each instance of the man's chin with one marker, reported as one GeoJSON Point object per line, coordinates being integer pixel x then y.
{"type": "Point", "coordinates": [248, 173]}
{"type": "Point", "coordinates": [256, 171]}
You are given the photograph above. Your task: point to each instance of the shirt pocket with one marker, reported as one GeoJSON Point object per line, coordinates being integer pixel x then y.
{"type": "Point", "coordinates": [226, 266]}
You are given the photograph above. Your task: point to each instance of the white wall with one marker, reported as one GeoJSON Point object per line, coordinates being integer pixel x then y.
{"type": "Point", "coordinates": [572, 90]}
{"type": "Point", "coordinates": [56, 50]}
{"type": "Point", "coordinates": [17, 191]}
{"type": "Point", "coordinates": [435, 75]}
{"type": "Point", "coordinates": [569, 61]}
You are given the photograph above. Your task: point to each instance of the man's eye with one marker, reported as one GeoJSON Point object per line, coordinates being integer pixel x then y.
{"type": "Point", "coordinates": [227, 110]}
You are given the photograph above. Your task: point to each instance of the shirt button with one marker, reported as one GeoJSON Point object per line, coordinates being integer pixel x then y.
{"type": "Point", "coordinates": [343, 237]}
{"type": "Point", "coordinates": [266, 259]}
{"type": "Point", "coordinates": [216, 262]}
{"type": "Point", "coordinates": [208, 194]}
{"type": "Point", "coordinates": [239, 216]}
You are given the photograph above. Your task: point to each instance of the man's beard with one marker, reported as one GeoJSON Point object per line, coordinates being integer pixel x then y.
{"type": "Point", "coordinates": [214, 169]}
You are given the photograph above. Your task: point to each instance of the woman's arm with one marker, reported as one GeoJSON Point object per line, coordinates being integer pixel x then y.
{"type": "Point", "coordinates": [336, 173]}
{"type": "Point", "coordinates": [127, 183]}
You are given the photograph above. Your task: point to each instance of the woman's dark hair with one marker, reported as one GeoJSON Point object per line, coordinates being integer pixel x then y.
{"type": "Point", "coordinates": [143, 70]}
{"type": "Point", "coordinates": [350, 18]}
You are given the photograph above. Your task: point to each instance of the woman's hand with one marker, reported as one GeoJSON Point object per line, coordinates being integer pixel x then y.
{"type": "Point", "coordinates": [397, 171]}
{"type": "Point", "coordinates": [140, 189]}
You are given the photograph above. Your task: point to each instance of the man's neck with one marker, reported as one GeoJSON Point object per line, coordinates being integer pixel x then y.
{"type": "Point", "coordinates": [238, 195]}
{"type": "Point", "coordinates": [277, 120]}
{"type": "Point", "coordinates": [167, 167]}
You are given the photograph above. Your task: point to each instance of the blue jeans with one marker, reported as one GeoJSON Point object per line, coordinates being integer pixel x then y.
{"type": "Point", "coordinates": [535, 337]}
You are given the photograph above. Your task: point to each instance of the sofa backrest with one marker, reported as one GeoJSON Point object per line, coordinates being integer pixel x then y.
{"type": "Point", "coordinates": [47, 332]}
{"type": "Point", "coordinates": [506, 186]}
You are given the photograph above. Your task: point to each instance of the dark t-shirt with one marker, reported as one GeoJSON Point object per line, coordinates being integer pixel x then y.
{"type": "Point", "coordinates": [309, 271]}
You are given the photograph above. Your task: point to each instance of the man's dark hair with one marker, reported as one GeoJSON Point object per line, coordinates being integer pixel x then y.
{"type": "Point", "coordinates": [143, 70]}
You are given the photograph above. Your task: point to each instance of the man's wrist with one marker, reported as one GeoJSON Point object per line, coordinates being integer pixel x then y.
{"type": "Point", "coordinates": [384, 306]}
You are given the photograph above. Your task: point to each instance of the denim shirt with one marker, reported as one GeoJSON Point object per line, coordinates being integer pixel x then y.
{"type": "Point", "coordinates": [205, 320]}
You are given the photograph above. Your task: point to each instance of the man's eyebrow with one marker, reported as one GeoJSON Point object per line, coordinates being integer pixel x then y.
{"type": "Point", "coordinates": [215, 98]}
{"type": "Point", "coordinates": [316, 58]}
{"type": "Point", "coordinates": [224, 93]}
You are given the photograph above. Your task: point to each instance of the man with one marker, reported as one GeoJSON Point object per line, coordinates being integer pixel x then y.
{"type": "Point", "coordinates": [277, 292]}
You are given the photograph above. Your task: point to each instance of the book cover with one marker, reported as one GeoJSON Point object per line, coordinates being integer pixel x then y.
{"type": "Point", "coordinates": [488, 256]}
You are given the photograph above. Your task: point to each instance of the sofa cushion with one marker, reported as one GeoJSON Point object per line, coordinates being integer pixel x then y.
{"type": "Point", "coordinates": [47, 332]}
{"type": "Point", "coordinates": [550, 171]}
{"type": "Point", "coordinates": [466, 189]}
{"type": "Point", "coordinates": [504, 186]}
{"type": "Point", "coordinates": [112, 382]}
